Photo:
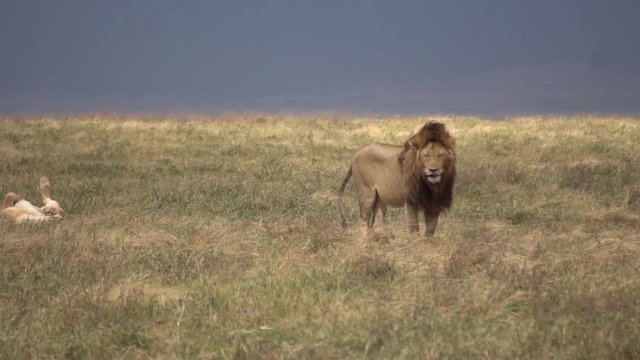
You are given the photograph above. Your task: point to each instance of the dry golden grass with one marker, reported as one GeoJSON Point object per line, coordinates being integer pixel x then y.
{"type": "Point", "coordinates": [220, 238]}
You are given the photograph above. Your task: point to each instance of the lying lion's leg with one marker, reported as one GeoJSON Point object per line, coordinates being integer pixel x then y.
{"type": "Point", "coordinates": [411, 216]}
{"type": "Point", "coordinates": [45, 189]}
{"type": "Point", "coordinates": [431, 221]}
{"type": "Point", "coordinates": [51, 207]}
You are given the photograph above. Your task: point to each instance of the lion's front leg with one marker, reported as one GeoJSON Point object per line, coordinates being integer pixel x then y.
{"type": "Point", "coordinates": [431, 221]}
{"type": "Point", "coordinates": [411, 216]}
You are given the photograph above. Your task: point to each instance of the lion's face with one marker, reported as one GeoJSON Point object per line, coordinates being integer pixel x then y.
{"type": "Point", "coordinates": [10, 200]}
{"type": "Point", "coordinates": [434, 158]}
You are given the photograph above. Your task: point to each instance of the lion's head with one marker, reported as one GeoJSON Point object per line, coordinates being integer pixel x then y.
{"type": "Point", "coordinates": [434, 159]}
{"type": "Point", "coordinates": [428, 167]}
{"type": "Point", "coordinates": [10, 200]}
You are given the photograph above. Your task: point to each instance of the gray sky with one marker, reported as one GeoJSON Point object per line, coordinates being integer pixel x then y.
{"type": "Point", "coordinates": [494, 57]}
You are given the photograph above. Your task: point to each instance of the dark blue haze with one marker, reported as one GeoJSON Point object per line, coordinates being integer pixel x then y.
{"type": "Point", "coordinates": [494, 57]}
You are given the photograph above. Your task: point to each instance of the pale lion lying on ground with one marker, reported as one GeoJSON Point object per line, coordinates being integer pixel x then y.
{"type": "Point", "coordinates": [20, 211]}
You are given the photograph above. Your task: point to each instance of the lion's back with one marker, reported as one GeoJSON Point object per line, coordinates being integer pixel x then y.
{"type": "Point", "coordinates": [376, 153]}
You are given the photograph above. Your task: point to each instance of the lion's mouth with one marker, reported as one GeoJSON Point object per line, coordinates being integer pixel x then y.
{"type": "Point", "coordinates": [433, 177]}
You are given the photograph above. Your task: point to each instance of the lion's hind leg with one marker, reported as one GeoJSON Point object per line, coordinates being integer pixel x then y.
{"type": "Point", "coordinates": [367, 201]}
{"type": "Point", "coordinates": [411, 217]}
{"type": "Point", "coordinates": [45, 189]}
{"type": "Point", "coordinates": [379, 210]}
{"type": "Point", "coordinates": [51, 207]}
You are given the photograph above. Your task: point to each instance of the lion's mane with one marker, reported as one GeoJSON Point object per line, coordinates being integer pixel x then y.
{"type": "Point", "coordinates": [432, 198]}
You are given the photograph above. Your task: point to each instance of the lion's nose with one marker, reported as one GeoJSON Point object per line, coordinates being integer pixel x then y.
{"type": "Point", "coordinates": [433, 170]}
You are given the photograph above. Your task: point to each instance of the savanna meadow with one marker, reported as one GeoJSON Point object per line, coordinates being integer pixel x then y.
{"type": "Point", "coordinates": [220, 237]}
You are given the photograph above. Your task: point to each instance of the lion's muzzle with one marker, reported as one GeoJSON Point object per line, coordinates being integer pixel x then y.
{"type": "Point", "coordinates": [433, 175]}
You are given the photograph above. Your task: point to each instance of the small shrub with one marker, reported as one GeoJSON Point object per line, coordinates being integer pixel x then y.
{"type": "Point", "coordinates": [374, 268]}
{"type": "Point", "coordinates": [634, 200]}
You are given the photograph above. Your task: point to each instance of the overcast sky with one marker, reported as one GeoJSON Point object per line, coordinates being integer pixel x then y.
{"type": "Point", "coordinates": [494, 57]}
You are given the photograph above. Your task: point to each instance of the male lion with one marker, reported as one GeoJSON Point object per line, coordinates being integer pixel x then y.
{"type": "Point", "coordinates": [19, 211]}
{"type": "Point", "coordinates": [418, 176]}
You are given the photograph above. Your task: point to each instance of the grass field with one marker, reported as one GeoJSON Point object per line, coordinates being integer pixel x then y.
{"type": "Point", "coordinates": [220, 238]}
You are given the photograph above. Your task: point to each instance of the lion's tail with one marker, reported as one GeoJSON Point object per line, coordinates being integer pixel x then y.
{"type": "Point", "coordinates": [45, 189]}
{"type": "Point", "coordinates": [341, 196]}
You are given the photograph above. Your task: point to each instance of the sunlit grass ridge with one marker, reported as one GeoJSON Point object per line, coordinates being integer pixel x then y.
{"type": "Point", "coordinates": [220, 238]}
